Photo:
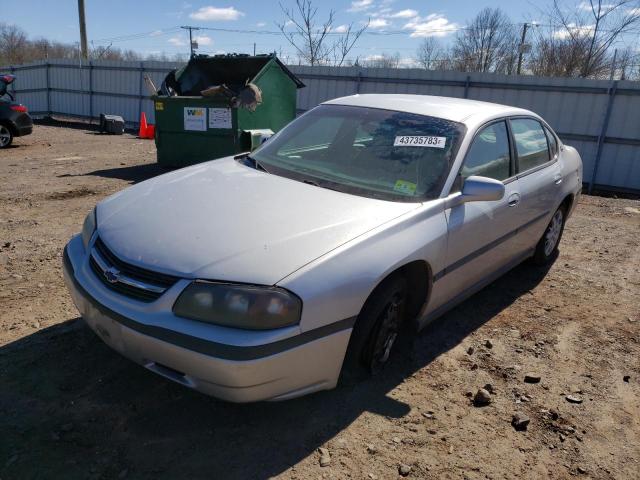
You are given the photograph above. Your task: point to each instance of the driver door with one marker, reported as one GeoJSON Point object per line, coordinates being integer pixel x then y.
{"type": "Point", "coordinates": [481, 234]}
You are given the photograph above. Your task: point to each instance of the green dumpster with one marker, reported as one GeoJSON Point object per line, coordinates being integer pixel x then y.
{"type": "Point", "coordinates": [191, 128]}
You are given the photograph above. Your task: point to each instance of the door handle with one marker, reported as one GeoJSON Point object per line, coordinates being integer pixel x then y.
{"type": "Point", "coordinates": [514, 199]}
{"type": "Point", "coordinates": [557, 179]}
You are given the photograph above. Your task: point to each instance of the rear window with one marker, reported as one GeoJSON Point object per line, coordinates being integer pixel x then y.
{"type": "Point", "coordinates": [553, 143]}
{"type": "Point", "coordinates": [531, 143]}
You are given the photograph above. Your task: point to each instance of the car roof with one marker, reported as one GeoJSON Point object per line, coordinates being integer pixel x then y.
{"type": "Point", "coordinates": [449, 108]}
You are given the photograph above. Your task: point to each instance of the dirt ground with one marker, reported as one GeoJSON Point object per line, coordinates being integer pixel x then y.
{"type": "Point", "coordinates": [72, 408]}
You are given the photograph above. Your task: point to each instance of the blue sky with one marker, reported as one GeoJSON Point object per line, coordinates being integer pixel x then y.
{"type": "Point", "coordinates": [156, 22]}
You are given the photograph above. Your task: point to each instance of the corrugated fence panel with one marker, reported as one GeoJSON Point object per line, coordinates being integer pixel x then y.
{"type": "Point", "coordinates": [619, 167]}
{"type": "Point", "coordinates": [576, 108]}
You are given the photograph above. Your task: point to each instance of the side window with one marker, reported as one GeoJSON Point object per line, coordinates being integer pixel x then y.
{"type": "Point", "coordinates": [553, 143]}
{"type": "Point", "coordinates": [489, 155]}
{"type": "Point", "coordinates": [531, 143]}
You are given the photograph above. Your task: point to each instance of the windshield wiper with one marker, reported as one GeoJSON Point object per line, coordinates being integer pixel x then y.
{"type": "Point", "coordinates": [327, 185]}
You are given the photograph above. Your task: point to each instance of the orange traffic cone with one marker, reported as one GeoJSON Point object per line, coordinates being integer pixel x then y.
{"type": "Point", "coordinates": [151, 131]}
{"type": "Point", "coordinates": [142, 131]}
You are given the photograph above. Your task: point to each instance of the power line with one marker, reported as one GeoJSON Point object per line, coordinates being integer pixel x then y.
{"type": "Point", "coordinates": [406, 32]}
{"type": "Point", "coordinates": [137, 36]}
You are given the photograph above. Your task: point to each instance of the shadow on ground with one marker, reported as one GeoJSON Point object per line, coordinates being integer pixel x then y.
{"type": "Point", "coordinates": [72, 408]}
{"type": "Point", "coordinates": [133, 174]}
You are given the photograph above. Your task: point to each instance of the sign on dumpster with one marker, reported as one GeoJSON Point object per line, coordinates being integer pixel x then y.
{"type": "Point", "coordinates": [195, 119]}
{"type": "Point", "coordinates": [219, 118]}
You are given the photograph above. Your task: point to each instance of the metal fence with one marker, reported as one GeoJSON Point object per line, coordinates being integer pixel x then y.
{"type": "Point", "coordinates": [600, 118]}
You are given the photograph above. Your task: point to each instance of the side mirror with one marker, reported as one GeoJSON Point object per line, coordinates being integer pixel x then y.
{"type": "Point", "coordinates": [477, 189]}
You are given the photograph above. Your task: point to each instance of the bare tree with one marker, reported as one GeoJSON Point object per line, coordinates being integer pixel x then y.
{"type": "Point", "coordinates": [488, 44]}
{"type": "Point", "coordinates": [595, 26]}
{"type": "Point", "coordinates": [17, 48]}
{"type": "Point", "coordinates": [310, 37]}
{"type": "Point", "coordinates": [626, 60]}
{"type": "Point", "coordinates": [113, 53]}
{"type": "Point", "coordinates": [555, 56]}
{"type": "Point", "coordinates": [13, 44]}
{"type": "Point", "coordinates": [345, 43]}
{"type": "Point", "coordinates": [430, 54]}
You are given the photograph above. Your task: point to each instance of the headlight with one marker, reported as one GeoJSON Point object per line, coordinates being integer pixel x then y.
{"type": "Point", "coordinates": [88, 227]}
{"type": "Point", "coordinates": [239, 306]}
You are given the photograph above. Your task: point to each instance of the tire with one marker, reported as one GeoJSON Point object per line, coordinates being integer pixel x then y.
{"type": "Point", "coordinates": [547, 247]}
{"type": "Point", "coordinates": [377, 328]}
{"type": "Point", "coordinates": [6, 137]}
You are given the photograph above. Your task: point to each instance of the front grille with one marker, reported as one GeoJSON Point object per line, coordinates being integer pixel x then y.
{"type": "Point", "coordinates": [156, 282]}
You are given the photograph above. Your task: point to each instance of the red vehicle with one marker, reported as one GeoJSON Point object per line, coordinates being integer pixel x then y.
{"type": "Point", "coordinates": [15, 120]}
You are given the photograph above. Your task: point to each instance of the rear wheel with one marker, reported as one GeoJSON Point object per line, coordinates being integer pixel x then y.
{"type": "Point", "coordinates": [6, 137]}
{"type": "Point", "coordinates": [547, 247]}
{"type": "Point", "coordinates": [377, 327]}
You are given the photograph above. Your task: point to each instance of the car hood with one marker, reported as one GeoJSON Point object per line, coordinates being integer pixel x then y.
{"type": "Point", "coordinates": [223, 220]}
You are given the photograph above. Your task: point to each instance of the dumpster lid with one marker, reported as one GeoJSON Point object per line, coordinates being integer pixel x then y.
{"type": "Point", "coordinates": [233, 70]}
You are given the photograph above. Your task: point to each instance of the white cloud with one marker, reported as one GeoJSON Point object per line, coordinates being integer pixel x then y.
{"type": "Point", "coordinates": [155, 33]}
{"type": "Point", "coordinates": [212, 14]}
{"type": "Point", "coordinates": [407, 13]}
{"type": "Point", "coordinates": [378, 23]}
{"type": "Point", "coordinates": [605, 7]}
{"type": "Point", "coordinates": [634, 12]}
{"type": "Point", "coordinates": [573, 30]}
{"type": "Point", "coordinates": [360, 5]}
{"type": "Point", "coordinates": [341, 29]}
{"type": "Point", "coordinates": [382, 12]}
{"type": "Point", "coordinates": [373, 58]}
{"type": "Point", "coordinates": [261, 24]}
{"type": "Point", "coordinates": [203, 40]}
{"type": "Point", "coordinates": [433, 25]}
{"type": "Point", "coordinates": [177, 41]}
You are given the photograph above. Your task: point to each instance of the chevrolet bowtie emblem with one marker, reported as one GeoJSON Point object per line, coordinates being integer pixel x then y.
{"type": "Point", "coordinates": [112, 275]}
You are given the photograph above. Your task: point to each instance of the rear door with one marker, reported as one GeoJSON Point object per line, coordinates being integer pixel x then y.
{"type": "Point", "coordinates": [539, 176]}
{"type": "Point", "coordinates": [481, 234]}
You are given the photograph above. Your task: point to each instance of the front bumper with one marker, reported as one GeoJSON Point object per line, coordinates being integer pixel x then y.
{"type": "Point", "coordinates": [242, 369]}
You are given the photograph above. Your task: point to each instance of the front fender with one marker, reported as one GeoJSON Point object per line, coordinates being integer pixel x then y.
{"type": "Point", "coordinates": [336, 285]}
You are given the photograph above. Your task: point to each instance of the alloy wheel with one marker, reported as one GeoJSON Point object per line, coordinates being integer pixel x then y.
{"type": "Point", "coordinates": [5, 136]}
{"type": "Point", "coordinates": [387, 332]}
{"type": "Point", "coordinates": [553, 233]}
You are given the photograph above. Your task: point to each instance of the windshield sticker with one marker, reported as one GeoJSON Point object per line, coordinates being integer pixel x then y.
{"type": "Point", "coordinates": [405, 187]}
{"type": "Point", "coordinates": [419, 141]}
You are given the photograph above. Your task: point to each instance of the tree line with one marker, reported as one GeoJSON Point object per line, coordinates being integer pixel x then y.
{"type": "Point", "coordinates": [568, 40]}
{"type": "Point", "coordinates": [16, 48]}
{"type": "Point", "coordinates": [581, 42]}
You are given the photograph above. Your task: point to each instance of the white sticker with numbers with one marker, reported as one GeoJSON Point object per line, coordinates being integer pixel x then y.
{"type": "Point", "coordinates": [420, 141]}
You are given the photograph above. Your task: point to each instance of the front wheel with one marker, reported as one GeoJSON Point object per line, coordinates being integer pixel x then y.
{"type": "Point", "coordinates": [6, 137]}
{"type": "Point", "coordinates": [547, 247]}
{"type": "Point", "coordinates": [377, 327]}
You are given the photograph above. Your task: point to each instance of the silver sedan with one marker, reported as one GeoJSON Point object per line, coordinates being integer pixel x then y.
{"type": "Point", "coordinates": [267, 275]}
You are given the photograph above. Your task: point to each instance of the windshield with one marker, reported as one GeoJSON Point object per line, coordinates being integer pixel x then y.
{"type": "Point", "coordinates": [365, 151]}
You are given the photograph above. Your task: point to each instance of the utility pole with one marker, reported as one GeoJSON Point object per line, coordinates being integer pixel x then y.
{"type": "Point", "coordinates": [521, 48]}
{"type": "Point", "coordinates": [84, 52]}
{"type": "Point", "coordinates": [613, 65]}
{"type": "Point", "coordinates": [254, 49]}
{"type": "Point", "coordinates": [192, 44]}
